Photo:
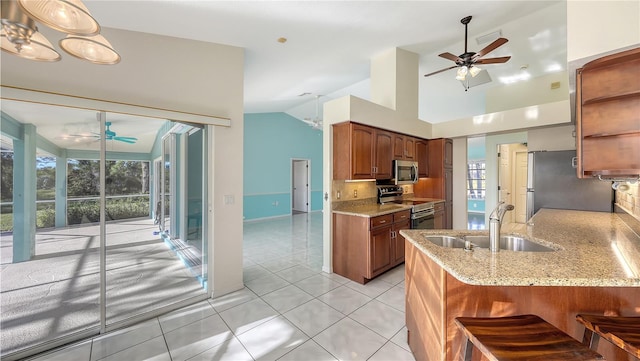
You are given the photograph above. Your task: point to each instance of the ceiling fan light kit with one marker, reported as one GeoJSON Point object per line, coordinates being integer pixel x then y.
{"type": "Point", "coordinates": [20, 35]}
{"type": "Point", "coordinates": [466, 62]}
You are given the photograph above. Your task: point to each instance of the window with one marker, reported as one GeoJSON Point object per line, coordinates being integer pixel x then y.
{"type": "Point", "coordinates": [476, 179]}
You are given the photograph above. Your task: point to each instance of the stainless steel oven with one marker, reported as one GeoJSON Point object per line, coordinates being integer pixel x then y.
{"type": "Point", "coordinates": [423, 219]}
{"type": "Point", "coordinates": [422, 212]}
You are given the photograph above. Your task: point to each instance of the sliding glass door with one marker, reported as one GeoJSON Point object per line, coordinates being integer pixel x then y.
{"type": "Point", "coordinates": [101, 220]}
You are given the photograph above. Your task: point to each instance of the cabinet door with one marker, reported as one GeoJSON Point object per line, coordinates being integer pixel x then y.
{"type": "Point", "coordinates": [422, 156]}
{"type": "Point", "coordinates": [379, 259]}
{"type": "Point", "coordinates": [438, 217]}
{"type": "Point", "coordinates": [398, 241]}
{"type": "Point", "coordinates": [448, 153]}
{"type": "Point", "coordinates": [362, 152]}
{"type": "Point", "coordinates": [383, 152]}
{"type": "Point", "coordinates": [398, 146]}
{"type": "Point", "coordinates": [409, 148]}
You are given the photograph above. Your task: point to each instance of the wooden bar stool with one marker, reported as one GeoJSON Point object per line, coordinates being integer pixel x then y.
{"type": "Point", "coordinates": [623, 332]}
{"type": "Point", "coordinates": [523, 337]}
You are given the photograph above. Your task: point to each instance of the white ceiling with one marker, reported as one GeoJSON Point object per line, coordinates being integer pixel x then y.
{"type": "Point", "coordinates": [330, 43]}
{"type": "Point", "coordinates": [329, 48]}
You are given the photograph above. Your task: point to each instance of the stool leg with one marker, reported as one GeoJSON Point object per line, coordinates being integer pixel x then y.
{"type": "Point", "coordinates": [467, 351]}
{"type": "Point", "coordinates": [590, 339]}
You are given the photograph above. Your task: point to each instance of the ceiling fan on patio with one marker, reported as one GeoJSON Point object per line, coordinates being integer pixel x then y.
{"type": "Point", "coordinates": [110, 135]}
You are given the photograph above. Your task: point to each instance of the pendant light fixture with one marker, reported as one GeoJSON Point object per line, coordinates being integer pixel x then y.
{"type": "Point", "coordinates": [95, 49]}
{"type": "Point", "coordinates": [20, 36]}
{"type": "Point", "coordinates": [67, 16]}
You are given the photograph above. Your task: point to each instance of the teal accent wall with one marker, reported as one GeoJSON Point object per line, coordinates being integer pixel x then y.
{"type": "Point", "coordinates": [271, 140]}
{"type": "Point", "coordinates": [476, 149]}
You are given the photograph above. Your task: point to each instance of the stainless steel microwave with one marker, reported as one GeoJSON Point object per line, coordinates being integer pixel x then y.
{"type": "Point", "coordinates": [405, 172]}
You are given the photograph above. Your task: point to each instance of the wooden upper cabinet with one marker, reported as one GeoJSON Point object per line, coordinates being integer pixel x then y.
{"type": "Point", "coordinates": [608, 116]}
{"type": "Point", "coordinates": [382, 157]}
{"type": "Point", "coordinates": [403, 147]}
{"type": "Point", "coordinates": [398, 146]}
{"type": "Point", "coordinates": [361, 152]}
{"type": "Point", "coordinates": [422, 157]}
{"type": "Point", "coordinates": [448, 153]}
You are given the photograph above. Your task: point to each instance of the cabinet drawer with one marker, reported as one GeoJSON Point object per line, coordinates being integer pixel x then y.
{"type": "Point", "coordinates": [379, 221]}
{"type": "Point", "coordinates": [401, 216]}
{"type": "Point", "coordinates": [439, 207]}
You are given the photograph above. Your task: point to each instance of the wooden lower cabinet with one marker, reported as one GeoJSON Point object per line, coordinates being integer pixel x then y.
{"type": "Point", "coordinates": [438, 216]}
{"type": "Point", "coordinates": [434, 298]}
{"type": "Point", "coordinates": [364, 247]}
{"type": "Point", "coordinates": [379, 257]}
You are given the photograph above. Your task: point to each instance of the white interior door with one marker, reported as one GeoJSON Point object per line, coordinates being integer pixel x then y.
{"type": "Point", "coordinates": [300, 185]}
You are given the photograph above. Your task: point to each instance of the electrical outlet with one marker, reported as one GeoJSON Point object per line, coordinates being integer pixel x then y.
{"type": "Point", "coordinates": [338, 195]}
{"type": "Point", "coordinates": [355, 193]}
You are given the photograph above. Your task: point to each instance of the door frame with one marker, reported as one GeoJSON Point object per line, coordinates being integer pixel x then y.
{"type": "Point", "coordinates": [308, 176]}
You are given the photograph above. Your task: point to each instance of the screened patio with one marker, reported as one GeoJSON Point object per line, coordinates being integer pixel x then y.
{"type": "Point", "coordinates": [101, 222]}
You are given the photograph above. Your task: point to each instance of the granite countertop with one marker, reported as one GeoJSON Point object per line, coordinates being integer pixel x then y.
{"type": "Point", "coordinates": [375, 209]}
{"type": "Point", "coordinates": [594, 249]}
{"type": "Point", "coordinates": [371, 210]}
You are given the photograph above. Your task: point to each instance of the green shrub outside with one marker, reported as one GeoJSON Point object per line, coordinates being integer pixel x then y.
{"type": "Point", "coordinates": [86, 211]}
{"type": "Point", "coordinates": [6, 222]}
{"type": "Point", "coordinates": [123, 208]}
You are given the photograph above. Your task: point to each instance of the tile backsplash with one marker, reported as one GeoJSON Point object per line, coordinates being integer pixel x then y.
{"type": "Point", "coordinates": [350, 191]}
{"type": "Point", "coordinates": [629, 200]}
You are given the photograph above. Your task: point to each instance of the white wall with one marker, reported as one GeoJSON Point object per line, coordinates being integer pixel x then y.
{"type": "Point", "coordinates": [165, 73]}
{"type": "Point", "coordinates": [460, 183]}
{"type": "Point", "coordinates": [597, 27]}
{"type": "Point", "coordinates": [552, 138]}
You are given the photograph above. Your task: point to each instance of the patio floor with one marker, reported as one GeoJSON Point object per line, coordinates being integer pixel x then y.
{"type": "Point", "coordinates": [57, 292]}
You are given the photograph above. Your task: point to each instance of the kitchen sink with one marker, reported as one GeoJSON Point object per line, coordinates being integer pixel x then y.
{"type": "Point", "coordinates": [510, 243]}
{"type": "Point", "coordinates": [507, 243]}
{"type": "Point", "coordinates": [446, 241]}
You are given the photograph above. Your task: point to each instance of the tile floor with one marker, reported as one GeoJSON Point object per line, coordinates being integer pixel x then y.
{"type": "Point", "coordinates": [289, 310]}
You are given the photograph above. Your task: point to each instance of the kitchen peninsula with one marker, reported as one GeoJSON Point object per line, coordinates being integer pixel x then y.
{"type": "Point", "coordinates": [595, 269]}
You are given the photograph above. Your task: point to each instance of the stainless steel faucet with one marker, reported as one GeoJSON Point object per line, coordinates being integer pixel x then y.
{"type": "Point", "coordinates": [495, 221]}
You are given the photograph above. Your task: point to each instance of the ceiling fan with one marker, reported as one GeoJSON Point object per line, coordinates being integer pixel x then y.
{"type": "Point", "coordinates": [109, 135]}
{"type": "Point", "coordinates": [315, 123]}
{"type": "Point", "coordinates": [467, 61]}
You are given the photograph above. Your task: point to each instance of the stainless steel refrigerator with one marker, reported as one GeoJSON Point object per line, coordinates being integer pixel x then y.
{"type": "Point", "coordinates": [552, 183]}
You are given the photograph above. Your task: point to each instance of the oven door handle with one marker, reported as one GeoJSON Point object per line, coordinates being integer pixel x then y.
{"type": "Point", "coordinates": [423, 214]}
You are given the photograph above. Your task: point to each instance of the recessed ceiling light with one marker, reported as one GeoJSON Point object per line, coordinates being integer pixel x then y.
{"type": "Point", "coordinates": [282, 40]}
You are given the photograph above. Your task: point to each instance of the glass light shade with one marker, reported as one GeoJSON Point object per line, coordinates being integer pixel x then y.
{"type": "Point", "coordinates": [95, 49]}
{"type": "Point", "coordinates": [474, 70]}
{"type": "Point", "coordinates": [461, 74]}
{"type": "Point", "coordinates": [68, 16]}
{"type": "Point", "coordinates": [38, 48]}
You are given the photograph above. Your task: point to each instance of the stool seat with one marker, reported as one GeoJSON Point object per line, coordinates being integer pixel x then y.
{"type": "Point", "coordinates": [522, 337]}
{"type": "Point", "coordinates": [623, 332]}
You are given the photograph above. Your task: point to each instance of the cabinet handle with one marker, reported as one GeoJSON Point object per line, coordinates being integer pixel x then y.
{"type": "Point", "coordinates": [383, 221]}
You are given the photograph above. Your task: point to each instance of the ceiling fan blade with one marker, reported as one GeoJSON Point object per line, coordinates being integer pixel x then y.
{"type": "Point", "coordinates": [503, 59]}
{"type": "Point", "coordinates": [441, 70]}
{"type": "Point", "coordinates": [126, 139]}
{"type": "Point", "coordinates": [491, 47]}
{"type": "Point", "coordinates": [450, 57]}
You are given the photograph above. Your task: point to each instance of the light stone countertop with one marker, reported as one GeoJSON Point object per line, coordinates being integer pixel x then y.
{"type": "Point", "coordinates": [376, 209]}
{"type": "Point", "coordinates": [371, 210]}
{"type": "Point", "coordinates": [592, 249]}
